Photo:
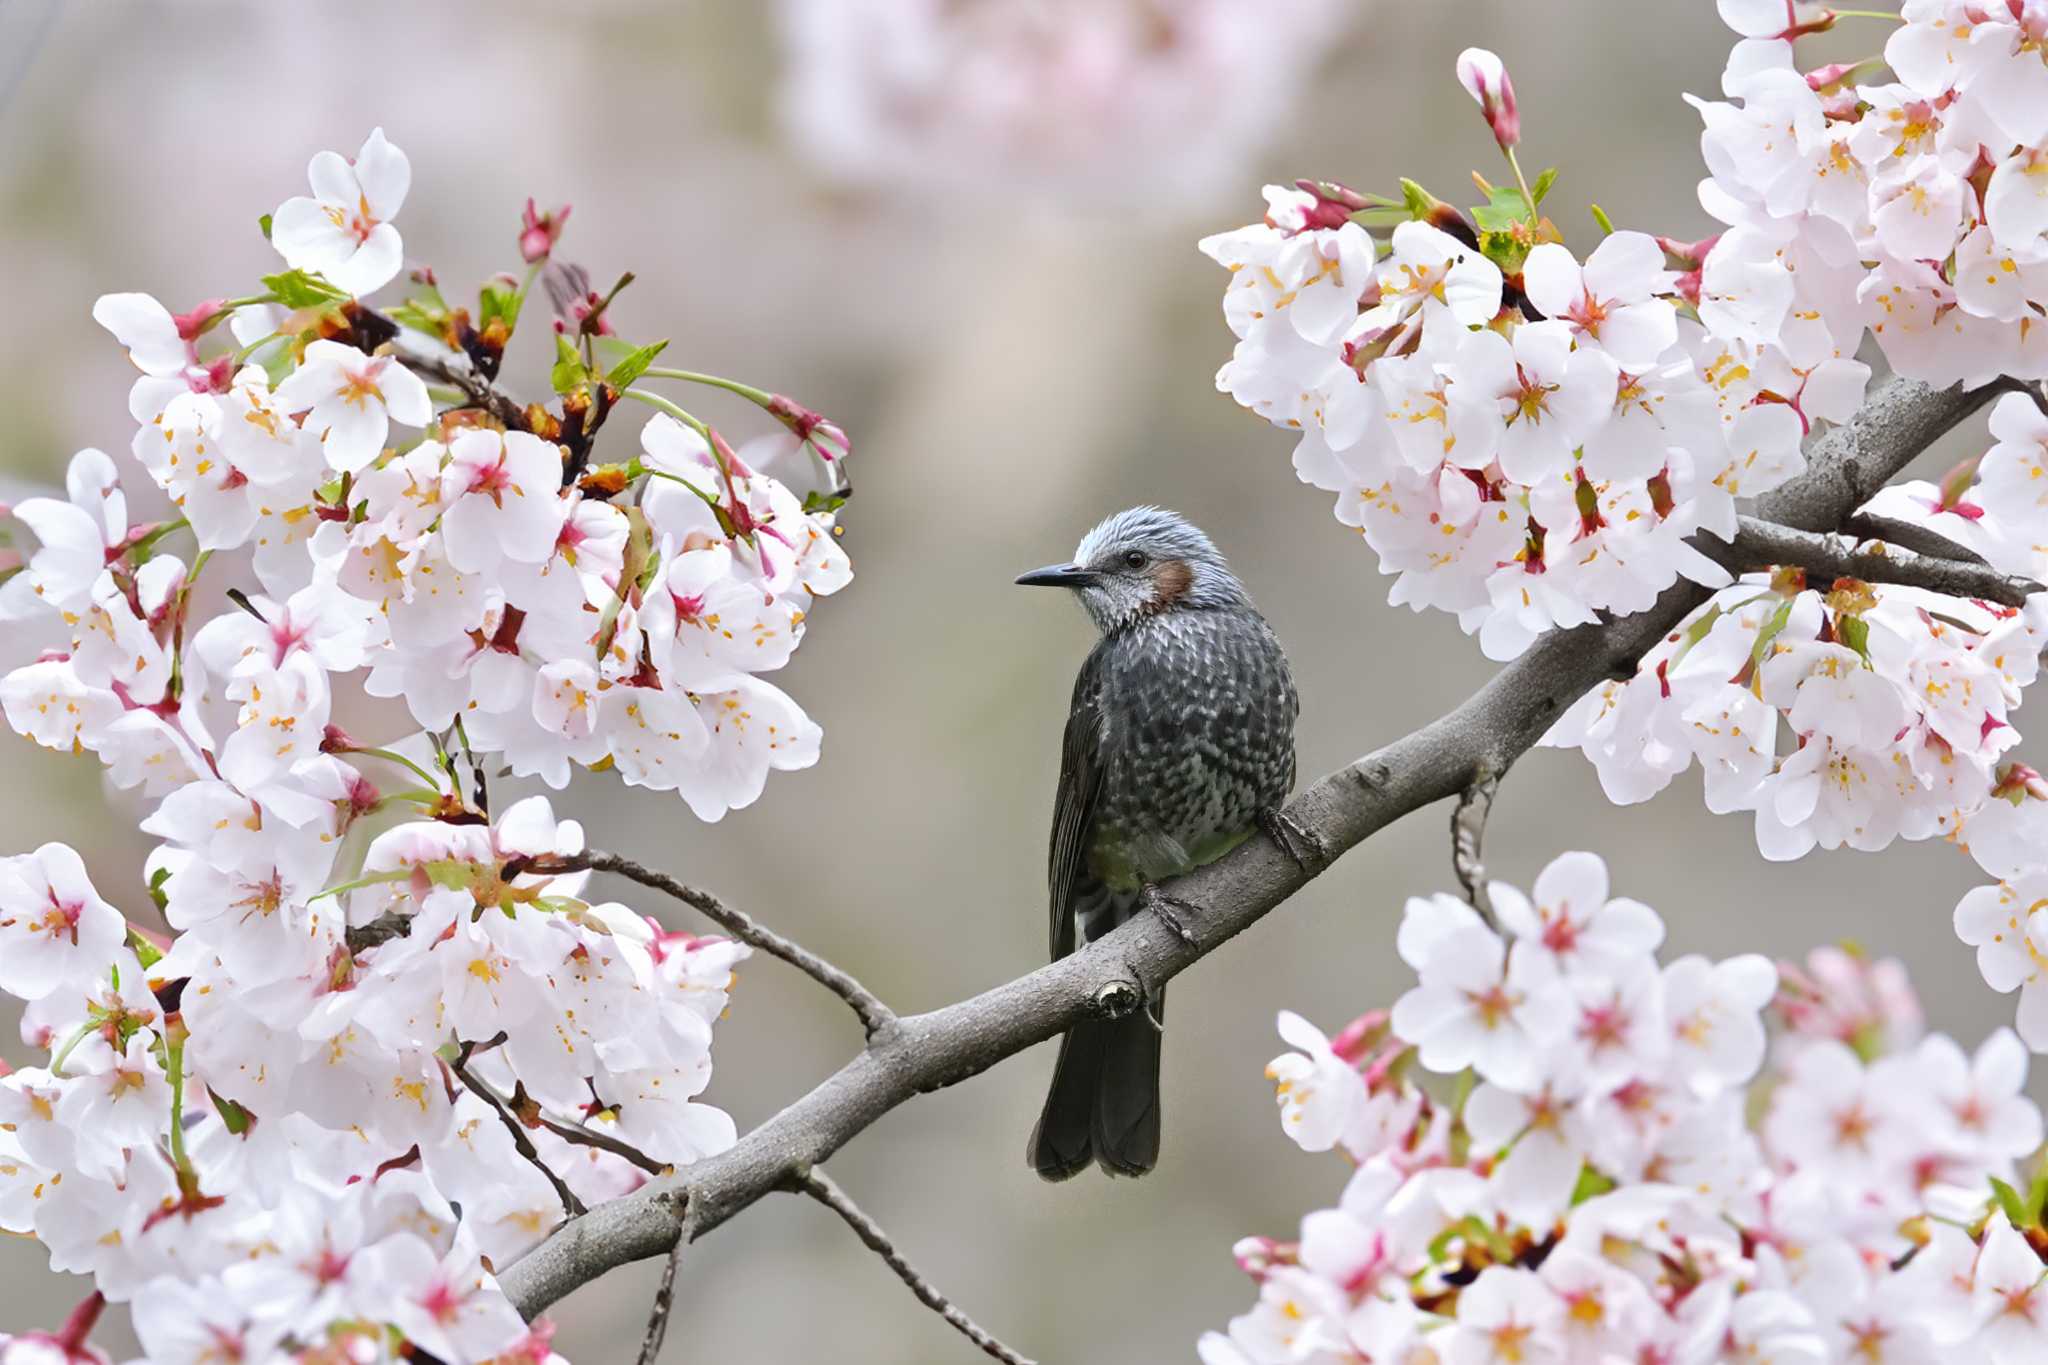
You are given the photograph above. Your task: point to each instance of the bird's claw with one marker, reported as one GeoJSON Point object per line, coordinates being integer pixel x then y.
{"type": "Point", "coordinates": [1169, 909]}
{"type": "Point", "coordinates": [1303, 845]}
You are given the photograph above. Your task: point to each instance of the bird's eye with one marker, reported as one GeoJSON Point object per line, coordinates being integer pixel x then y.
{"type": "Point", "coordinates": [1135, 558]}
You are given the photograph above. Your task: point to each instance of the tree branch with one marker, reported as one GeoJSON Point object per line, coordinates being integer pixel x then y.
{"type": "Point", "coordinates": [571, 1205]}
{"type": "Point", "coordinates": [387, 926]}
{"type": "Point", "coordinates": [481, 393]}
{"type": "Point", "coordinates": [603, 1142]}
{"type": "Point", "coordinates": [664, 1300]}
{"type": "Point", "coordinates": [876, 1017]}
{"type": "Point", "coordinates": [1761, 544]}
{"type": "Point", "coordinates": [1907, 535]}
{"type": "Point", "coordinates": [1109, 976]}
{"type": "Point", "coordinates": [820, 1187]}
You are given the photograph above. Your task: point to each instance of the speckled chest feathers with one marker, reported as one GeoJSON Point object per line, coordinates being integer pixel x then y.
{"type": "Point", "coordinates": [1195, 710]}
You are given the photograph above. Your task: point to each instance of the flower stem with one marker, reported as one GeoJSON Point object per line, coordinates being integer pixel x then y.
{"type": "Point", "coordinates": [1527, 198]}
{"type": "Point", "coordinates": [174, 1072]}
{"type": "Point", "coordinates": [393, 756]}
{"type": "Point", "coordinates": [747, 391]}
{"type": "Point", "coordinates": [1868, 14]}
{"type": "Point", "coordinates": [84, 1031]}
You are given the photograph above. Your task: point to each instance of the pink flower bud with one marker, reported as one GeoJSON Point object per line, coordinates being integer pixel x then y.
{"type": "Point", "coordinates": [828, 438]}
{"type": "Point", "coordinates": [191, 324]}
{"type": "Point", "coordinates": [1486, 81]}
{"type": "Point", "coordinates": [538, 232]}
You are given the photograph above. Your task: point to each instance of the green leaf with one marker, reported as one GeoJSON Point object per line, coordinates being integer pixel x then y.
{"type": "Point", "coordinates": [1770, 632]}
{"type": "Point", "coordinates": [233, 1115]}
{"type": "Point", "coordinates": [496, 300]}
{"type": "Point", "coordinates": [145, 952]}
{"type": "Point", "coordinates": [1854, 632]}
{"type": "Point", "coordinates": [156, 887]}
{"type": "Point", "coordinates": [611, 350]}
{"type": "Point", "coordinates": [263, 226]}
{"type": "Point", "coordinates": [568, 372]}
{"type": "Point", "coordinates": [816, 503]}
{"type": "Point", "coordinates": [634, 365]}
{"type": "Point", "coordinates": [1543, 184]}
{"type": "Point", "coordinates": [1600, 217]}
{"type": "Point", "coordinates": [421, 317]}
{"type": "Point", "coordinates": [1503, 209]}
{"type": "Point", "coordinates": [297, 289]}
{"type": "Point", "coordinates": [2037, 1196]}
{"type": "Point", "coordinates": [1419, 202]}
{"type": "Point", "coordinates": [2008, 1199]}
{"type": "Point", "coordinates": [1591, 1185]}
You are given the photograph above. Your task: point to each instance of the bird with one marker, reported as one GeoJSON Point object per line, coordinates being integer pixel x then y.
{"type": "Point", "coordinates": [1179, 744]}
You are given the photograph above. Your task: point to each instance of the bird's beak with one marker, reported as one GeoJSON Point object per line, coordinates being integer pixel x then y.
{"type": "Point", "coordinates": [1060, 576]}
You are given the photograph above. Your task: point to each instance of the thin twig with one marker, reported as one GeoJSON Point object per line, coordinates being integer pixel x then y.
{"type": "Point", "coordinates": [584, 1137]}
{"type": "Point", "coordinates": [820, 1187]}
{"type": "Point", "coordinates": [481, 393]}
{"type": "Point", "coordinates": [1761, 544]}
{"type": "Point", "coordinates": [664, 1299]}
{"type": "Point", "coordinates": [875, 1016]}
{"type": "Point", "coordinates": [387, 926]}
{"type": "Point", "coordinates": [1468, 831]}
{"type": "Point", "coordinates": [571, 1205]}
{"type": "Point", "coordinates": [1909, 535]}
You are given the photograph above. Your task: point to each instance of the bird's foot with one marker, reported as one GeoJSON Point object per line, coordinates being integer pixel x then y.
{"type": "Point", "coordinates": [1170, 910]}
{"type": "Point", "coordinates": [1301, 844]}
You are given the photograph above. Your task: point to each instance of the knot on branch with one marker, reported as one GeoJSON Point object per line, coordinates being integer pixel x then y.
{"type": "Point", "coordinates": [1118, 999]}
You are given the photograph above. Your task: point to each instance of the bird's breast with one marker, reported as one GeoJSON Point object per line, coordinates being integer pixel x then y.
{"type": "Point", "coordinates": [1198, 737]}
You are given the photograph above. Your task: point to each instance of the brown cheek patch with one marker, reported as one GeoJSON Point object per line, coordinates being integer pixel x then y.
{"type": "Point", "coordinates": [1170, 583]}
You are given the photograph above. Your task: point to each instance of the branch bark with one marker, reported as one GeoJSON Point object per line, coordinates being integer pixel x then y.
{"type": "Point", "coordinates": [1108, 977]}
{"type": "Point", "coordinates": [1760, 544]}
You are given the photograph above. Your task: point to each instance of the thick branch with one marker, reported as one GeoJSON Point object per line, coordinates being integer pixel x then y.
{"type": "Point", "coordinates": [875, 1016]}
{"type": "Point", "coordinates": [1109, 976]}
{"type": "Point", "coordinates": [820, 1187]}
{"type": "Point", "coordinates": [1825, 557]}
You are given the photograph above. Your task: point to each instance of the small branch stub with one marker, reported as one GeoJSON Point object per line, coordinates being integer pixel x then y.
{"type": "Point", "coordinates": [1118, 999]}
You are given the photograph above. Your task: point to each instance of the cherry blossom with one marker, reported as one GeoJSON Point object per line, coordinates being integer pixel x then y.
{"type": "Point", "coordinates": [344, 231]}
{"type": "Point", "coordinates": [350, 400]}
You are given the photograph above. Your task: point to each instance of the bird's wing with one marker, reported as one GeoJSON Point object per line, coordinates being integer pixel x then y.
{"type": "Point", "coordinates": [1073, 811]}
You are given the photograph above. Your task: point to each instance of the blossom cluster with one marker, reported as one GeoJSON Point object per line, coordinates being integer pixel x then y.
{"type": "Point", "coordinates": [1526, 445]}
{"type": "Point", "coordinates": [1846, 713]}
{"type": "Point", "coordinates": [1529, 439]}
{"type": "Point", "coordinates": [390, 1040]}
{"type": "Point", "coordinates": [1593, 1188]}
{"type": "Point", "coordinates": [1525, 438]}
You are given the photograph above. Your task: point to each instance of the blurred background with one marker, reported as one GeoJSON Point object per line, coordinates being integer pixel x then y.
{"type": "Point", "coordinates": [975, 247]}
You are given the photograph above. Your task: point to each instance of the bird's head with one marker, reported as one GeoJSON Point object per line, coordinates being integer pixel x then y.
{"type": "Point", "coordinates": [1140, 563]}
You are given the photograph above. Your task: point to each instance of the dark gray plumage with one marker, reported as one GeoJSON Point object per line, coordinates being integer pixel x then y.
{"type": "Point", "coordinates": [1180, 737]}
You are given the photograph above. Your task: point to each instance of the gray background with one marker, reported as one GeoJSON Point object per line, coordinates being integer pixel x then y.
{"type": "Point", "coordinates": [1009, 379]}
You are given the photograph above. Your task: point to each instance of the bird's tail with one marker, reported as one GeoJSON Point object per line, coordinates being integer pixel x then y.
{"type": "Point", "coordinates": [1104, 1101]}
